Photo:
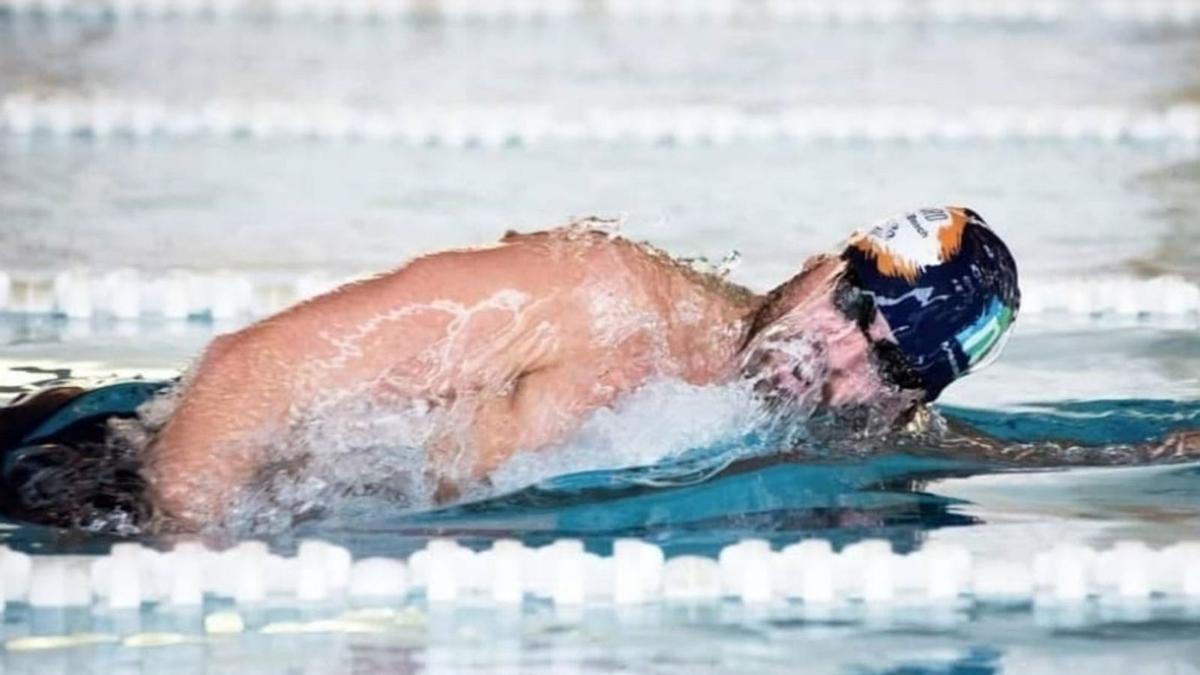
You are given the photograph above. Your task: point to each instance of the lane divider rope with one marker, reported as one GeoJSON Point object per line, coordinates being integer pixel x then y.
{"type": "Point", "coordinates": [510, 573]}
{"type": "Point", "coordinates": [499, 126]}
{"type": "Point", "coordinates": [853, 12]}
{"type": "Point", "coordinates": [231, 296]}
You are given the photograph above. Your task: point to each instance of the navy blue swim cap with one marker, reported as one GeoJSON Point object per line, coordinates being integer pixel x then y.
{"type": "Point", "coordinates": [947, 286]}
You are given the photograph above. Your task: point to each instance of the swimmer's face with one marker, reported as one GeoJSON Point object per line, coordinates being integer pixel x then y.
{"type": "Point", "coordinates": [825, 347]}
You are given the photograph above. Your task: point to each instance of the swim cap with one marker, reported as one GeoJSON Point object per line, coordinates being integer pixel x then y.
{"type": "Point", "coordinates": [945, 283]}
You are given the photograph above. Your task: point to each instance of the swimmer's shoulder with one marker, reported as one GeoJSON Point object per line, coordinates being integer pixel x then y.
{"type": "Point", "coordinates": [593, 246]}
{"type": "Point", "coordinates": [598, 243]}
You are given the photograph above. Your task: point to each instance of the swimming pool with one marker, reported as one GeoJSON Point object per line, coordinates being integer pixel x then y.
{"type": "Point", "coordinates": [170, 171]}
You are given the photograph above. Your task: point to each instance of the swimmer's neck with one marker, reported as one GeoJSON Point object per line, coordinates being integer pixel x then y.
{"type": "Point", "coordinates": [715, 326]}
{"type": "Point", "coordinates": [816, 277]}
{"type": "Point", "coordinates": [707, 321]}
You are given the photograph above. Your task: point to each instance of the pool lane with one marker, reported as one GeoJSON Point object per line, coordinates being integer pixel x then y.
{"type": "Point", "coordinates": [604, 62]}
{"type": "Point", "coordinates": [292, 206]}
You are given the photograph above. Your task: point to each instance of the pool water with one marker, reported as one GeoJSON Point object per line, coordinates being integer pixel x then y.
{"type": "Point", "coordinates": [123, 251]}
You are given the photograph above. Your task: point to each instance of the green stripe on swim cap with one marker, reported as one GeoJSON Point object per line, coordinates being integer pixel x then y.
{"type": "Point", "coordinates": [978, 339]}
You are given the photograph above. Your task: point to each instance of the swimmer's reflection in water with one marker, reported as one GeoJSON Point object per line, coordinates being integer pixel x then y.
{"type": "Point", "coordinates": [507, 349]}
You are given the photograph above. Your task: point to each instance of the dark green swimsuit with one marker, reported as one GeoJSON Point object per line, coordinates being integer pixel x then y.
{"type": "Point", "coordinates": [57, 465]}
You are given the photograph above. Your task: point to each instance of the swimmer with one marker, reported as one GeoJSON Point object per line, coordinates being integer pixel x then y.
{"type": "Point", "coordinates": [507, 349]}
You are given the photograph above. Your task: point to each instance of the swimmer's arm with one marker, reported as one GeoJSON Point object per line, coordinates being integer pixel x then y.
{"type": "Point", "coordinates": [1174, 448]}
{"type": "Point", "coordinates": [544, 408]}
{"type": "Point", "coordinates": [246, 384]}
{"type": "Point", "coordinates": [208, 449]}
{"type": "Point", "coordinates": [949, 437]}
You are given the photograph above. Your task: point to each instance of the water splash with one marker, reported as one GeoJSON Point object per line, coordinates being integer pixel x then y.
{"type": "Point", "coordinates": [720, 269]}
{"type": "Point", "coordinates": [355, 455]}
{"type": "Point", "coordinates": [659, 422]}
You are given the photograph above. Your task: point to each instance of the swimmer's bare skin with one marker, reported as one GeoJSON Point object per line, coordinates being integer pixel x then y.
{"type": "Point", "coordinates": [930, 434]}
{"type": "Point", "coordinates": [513, 344]}
{"type": "Point", "coordinates": [1179, 446]}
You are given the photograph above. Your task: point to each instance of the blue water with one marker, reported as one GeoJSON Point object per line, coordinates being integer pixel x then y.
{"type": "Point", "coordinates": [711, 497]}
{"type": "Point", "coordinates": [699, 501]}
{"type": "Point", "coordinates": [707, 498]}
{"type": "Point", "coordinates": [702, 499]}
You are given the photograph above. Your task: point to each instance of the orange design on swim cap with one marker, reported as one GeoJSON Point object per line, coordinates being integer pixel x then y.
{"type": "Point", "coordinates": [903, 246]}
{"type": "Point", "coordinates": [888, 264]}
{"type": "Point", "coordinates": [950, 236]}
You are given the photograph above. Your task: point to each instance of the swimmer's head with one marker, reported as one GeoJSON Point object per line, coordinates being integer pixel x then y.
{"type": "Point", "coordinates": [909, 306]}
{"type": "Point", "coordinates": [946, 286]}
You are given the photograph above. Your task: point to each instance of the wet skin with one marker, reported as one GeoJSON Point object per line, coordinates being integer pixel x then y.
{"type": "Point", "coordinates": [508, 349]}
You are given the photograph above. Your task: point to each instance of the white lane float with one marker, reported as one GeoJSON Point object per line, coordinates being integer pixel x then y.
{"type": "Point", "coordinates": [466, 126]}
{"type": "Point", "coordinates": [564, 574]}
{"type": "Point", "coordinates": [223, 296]}
{"type": "Point", "coordinates": [838, 12]}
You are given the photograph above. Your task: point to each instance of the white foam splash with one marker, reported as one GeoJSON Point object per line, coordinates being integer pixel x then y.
{"type": "Point", "coordinates": [351, 452]}
{"type": "Point", "coordinates": [659, 421]}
